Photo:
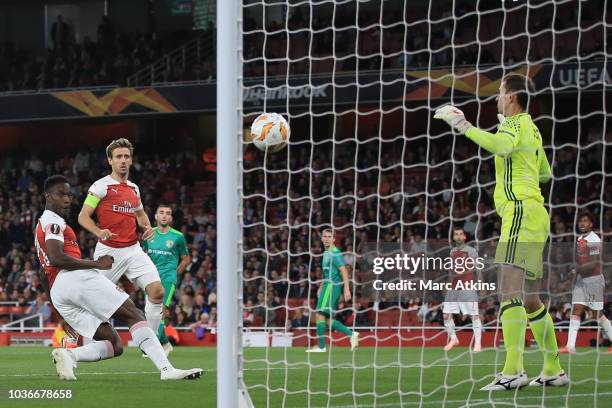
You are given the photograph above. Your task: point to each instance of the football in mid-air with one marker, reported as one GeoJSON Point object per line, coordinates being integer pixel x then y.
{"type": "Point", "coordinates": [270, 131]}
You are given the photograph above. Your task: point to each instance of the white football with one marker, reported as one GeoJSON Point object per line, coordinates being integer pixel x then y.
{"type": "Point", "coordinates": [270, 131]}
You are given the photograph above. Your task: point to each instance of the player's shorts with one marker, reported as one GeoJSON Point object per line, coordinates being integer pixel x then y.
{"type": "Point", "coordinates": [328, 300]}
{"type": "Point", "coordinates": [130, 261]}
{"type": "Point", "coordinates": [169, 288]}
{"type": "Point", "coordinates": [86, 299]}
{"type": "Point", "coordinates": [465, 308]}
{"type": "Point", "coordinates": [524, 232]}
{"type": "Point", "coordinates": [589, 292]}
{"type": "Point", "coordinates": [461, 301]}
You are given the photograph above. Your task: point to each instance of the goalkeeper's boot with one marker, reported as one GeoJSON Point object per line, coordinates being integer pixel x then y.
{"type": "Point", "coordinates": [567, 350]}
{"type": "Point", "coordinates": [176, 374]}
{"type": "Point", "coordinates": [451, 343]}
{"type": "Point", "coordinates": [477, 348]}
{"type": "Point", "coordinates": [354, 340]}
{"type": "Point", "coordinates": [507, 382]}
{"type": "Point", "coordinates": [64, 364]}
{"type": "Point", "coordinates": [610, 349]}
{"type": "Point", "coordinates": [316, 349]}
{"type": "Point", "coordinates": [558, 380]}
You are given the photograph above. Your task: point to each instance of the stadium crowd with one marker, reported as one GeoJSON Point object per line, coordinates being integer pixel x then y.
{"type": "Point", "coordinates": [108, 59]}
{"type": "Point", "coordinates": [339, 43]}
{"type": "Point", "coordinates": [280, 288]}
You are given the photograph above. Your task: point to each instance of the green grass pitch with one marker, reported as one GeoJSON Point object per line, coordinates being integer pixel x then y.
{"type": "Point", "coordinates": [282, 377]}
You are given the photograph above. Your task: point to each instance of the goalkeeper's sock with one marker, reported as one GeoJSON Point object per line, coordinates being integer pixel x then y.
{"type": "Point", "coordinates": [574, 326]}
{"type": "Point", "coordinates": [514, 323]}
{"type": "Point", "coordinates": [321, 329]}
{"type": "Point", "coordinates": [337, 326]}
{"type": "Point", "coordinates": [543, 330]}
{"type": "Point", "coordinates": [477, 328]}
{"type": "Point", "coordinates": [94, 351]}
{"type": "Point", "coordinates": [449, 324]}
{"type": "Point", "coordinates": [147, 341]}
{"type": "Point", "coordinates": [153, 313]}
{"type": "Point", "coordinates": [606, 326]}
{"type": "Point", "coordinates": [161, 333]}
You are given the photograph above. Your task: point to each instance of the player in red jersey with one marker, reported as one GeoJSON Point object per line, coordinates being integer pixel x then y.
{"type": "Point", "coordinates": [461, 301]}
{"type": "Point", "coordinates": [84, 298]}
{"type": "Point", "coordinates": [590, 283]}
{"type": "Point", "coordinates": [116, 203]}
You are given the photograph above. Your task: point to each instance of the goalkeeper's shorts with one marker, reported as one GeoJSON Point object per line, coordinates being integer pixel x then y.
{"type": "Point", "coordinates": [328, 300]}
{"type": "Point", "coordinates": [524, 232]}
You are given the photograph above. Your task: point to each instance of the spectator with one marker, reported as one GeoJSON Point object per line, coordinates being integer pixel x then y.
{"type": "Point", "coordinates": [299, 319]}
{"type": "Point", "coordinates": [60, 33]}
{"type": "Point", "coordinates": [39, 305]}
{"type": "Point", "coordinates": [248, 315]}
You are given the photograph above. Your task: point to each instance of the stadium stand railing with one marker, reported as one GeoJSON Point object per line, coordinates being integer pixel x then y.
{"type": "Point", "coordinates": [191, 53]}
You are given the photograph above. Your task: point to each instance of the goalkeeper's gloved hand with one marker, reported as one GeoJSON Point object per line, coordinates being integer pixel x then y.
{"type": "Point", "coordinates": [454, 117]}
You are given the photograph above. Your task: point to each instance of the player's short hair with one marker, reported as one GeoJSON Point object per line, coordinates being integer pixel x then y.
{"type": "Point", "coordinates": [54, 180]}
{"type": "Point", "coordinates": [163, 206]}
{"type": "Point", "coordinates": [458, 228]}
{"type": "Point", "coordinates": [331, 231]}
{"type": "Point", "coordinates": [522, 86]}
{"type": "Point", "coordinates": [587, 214]}
{"type": "Point", "coordinates": [118, 143]}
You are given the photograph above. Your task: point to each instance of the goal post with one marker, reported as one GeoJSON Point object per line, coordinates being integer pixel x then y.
{"type": "Point", "coordinates": [231, 391]}
{"type": "Point", "coordinates": [359, 81]}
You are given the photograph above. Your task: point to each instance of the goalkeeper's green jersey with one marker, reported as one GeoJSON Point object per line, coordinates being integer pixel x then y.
{"type": "Point", "coordinates": [520, 161]}
{"type": "Point", "coordinates": [166, 251]}
{"type": "Point", "coordinates": [331, 263]}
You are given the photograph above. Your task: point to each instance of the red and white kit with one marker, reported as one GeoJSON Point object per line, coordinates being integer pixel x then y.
{"type": "Point", "coordinates": [115, 211]}
{"type": "Point", "coordinates": [590, 283]}
{"type": "Point", "coordinates": [464, 301]}
{"type": "Point", "coordinates": [84, 298]}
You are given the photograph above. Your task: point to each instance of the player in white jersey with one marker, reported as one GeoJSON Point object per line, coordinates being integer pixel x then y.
{"type": "Point", "coordinates": [116, 203]}
{"type": "Point", "coordinates": [462, 301]}
{"type": "Point", "coordinates": [590, 284]}
{"type": "Point", "coordinates": [84, 298]}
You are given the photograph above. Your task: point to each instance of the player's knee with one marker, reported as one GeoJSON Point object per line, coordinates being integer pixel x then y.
{"type": "Point", "coordinates": [155, 293]}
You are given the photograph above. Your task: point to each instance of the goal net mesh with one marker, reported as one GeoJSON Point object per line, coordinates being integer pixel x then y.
{"type": "Point", "coordinates": [358, 82]}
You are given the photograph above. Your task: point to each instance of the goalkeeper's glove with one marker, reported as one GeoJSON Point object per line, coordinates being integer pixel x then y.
{"type": "Point", "coordinates": [454, 117]}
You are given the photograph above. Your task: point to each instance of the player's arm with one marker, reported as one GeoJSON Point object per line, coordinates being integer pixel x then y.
{"type": "Point", "coordinates": [544, 167]}
{"type": "Point", "coordinates": [185, 261]}
{"type": "Point", "coordinates": [501, 143]}
{"type": "Point", "coordinates": [345, 279]}
{"type": "Point", "coordinates": [589, 266]}
{"type": "Point", "coordinates": [338, 262]}
{"type": "Point", "coordinates": [183, 253]}
{"type": "Point", "coordinates": [86, 221]}
{"type": "Point", "coordinates": [59, 259]}
{"type": "Point", "coordinates": [143, 221]}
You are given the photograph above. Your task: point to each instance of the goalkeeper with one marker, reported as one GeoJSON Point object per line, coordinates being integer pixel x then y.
{"type": "Point", "coordinates": [520, 166]}
{"type": "Point", "coordinates": [335, 277]}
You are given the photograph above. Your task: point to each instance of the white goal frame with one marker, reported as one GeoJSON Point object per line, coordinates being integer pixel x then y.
{"type": "Point", "coordinates": [231, 391]}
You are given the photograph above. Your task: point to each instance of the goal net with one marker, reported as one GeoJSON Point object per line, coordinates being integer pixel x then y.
{"type": "Point", "coordinates": [358, 82]}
